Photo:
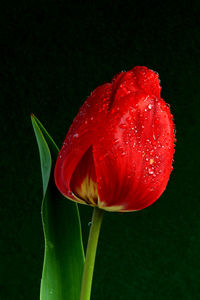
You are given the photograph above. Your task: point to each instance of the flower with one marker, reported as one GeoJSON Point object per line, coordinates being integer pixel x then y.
{"type": "Point", "coordinates": [119, 149]}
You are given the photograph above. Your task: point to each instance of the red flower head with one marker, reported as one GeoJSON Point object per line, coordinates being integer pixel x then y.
{"type": "Point", "coordinates": [118, 152]}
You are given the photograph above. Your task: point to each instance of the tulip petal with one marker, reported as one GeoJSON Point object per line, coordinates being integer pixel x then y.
{"type": "Point", "coordinates": [134, 160]}
{"type": "Point", "coordinates": [83, 182]}
{"type": "Point", "coordinates": [82, 134]}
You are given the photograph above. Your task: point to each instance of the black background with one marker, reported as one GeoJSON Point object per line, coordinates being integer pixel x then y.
{"type": "Point", "coordinates": [53, 54]}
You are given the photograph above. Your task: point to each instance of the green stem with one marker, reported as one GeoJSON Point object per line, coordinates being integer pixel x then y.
{"type": "Point", "coordinates": [91, 253]}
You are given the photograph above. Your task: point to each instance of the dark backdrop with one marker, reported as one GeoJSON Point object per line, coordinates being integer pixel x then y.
{"type": "Point", "coordinates": [53, 54]}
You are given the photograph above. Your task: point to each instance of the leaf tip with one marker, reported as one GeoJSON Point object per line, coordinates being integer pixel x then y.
{"type": "Point", "coordinates": [32, 116]}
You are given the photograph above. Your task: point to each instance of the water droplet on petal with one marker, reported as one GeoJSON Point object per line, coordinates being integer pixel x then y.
{"type": "Point", "coordinates": [116, 141]}
{"type": "Point", "coordinates": [122, 125]}
{"type": "Point", "coordinates": [150, 171]}
{"type": "Point", "coordinates": [148, 141]}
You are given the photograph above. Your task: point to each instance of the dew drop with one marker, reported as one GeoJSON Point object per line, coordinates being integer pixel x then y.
{"type": "Point", "coordinates": [105, 106]}
{"type": "Point", "coordinates": [121, 148]}
{"type": "Point", "coordinates": [116, 141]}
{"type": "Point", "coordinates": [128, 119]}
{"type": "Point", "coordinates": [122, 125]}
{"type": "Point", "coordinates": [150, 172]}
{"type": "Point", "coordinates": [151, 161]}
{"type": "Point", "coordinates": [148, 141]}
{"type": "Point", "coordinates": [149, 106]}
{"type": "Point", "coordinates": [76, 135]}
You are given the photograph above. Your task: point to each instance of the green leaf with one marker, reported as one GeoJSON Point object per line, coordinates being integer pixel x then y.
{"type": "Point", "coordinates": [64, 255]}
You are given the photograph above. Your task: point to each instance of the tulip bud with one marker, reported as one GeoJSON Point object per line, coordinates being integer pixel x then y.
{"type": "Point", "coordinates": [118, 152]}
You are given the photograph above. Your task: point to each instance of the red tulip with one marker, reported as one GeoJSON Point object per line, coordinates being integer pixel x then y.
{"type": "Point", "coordinates": [118, 152]}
